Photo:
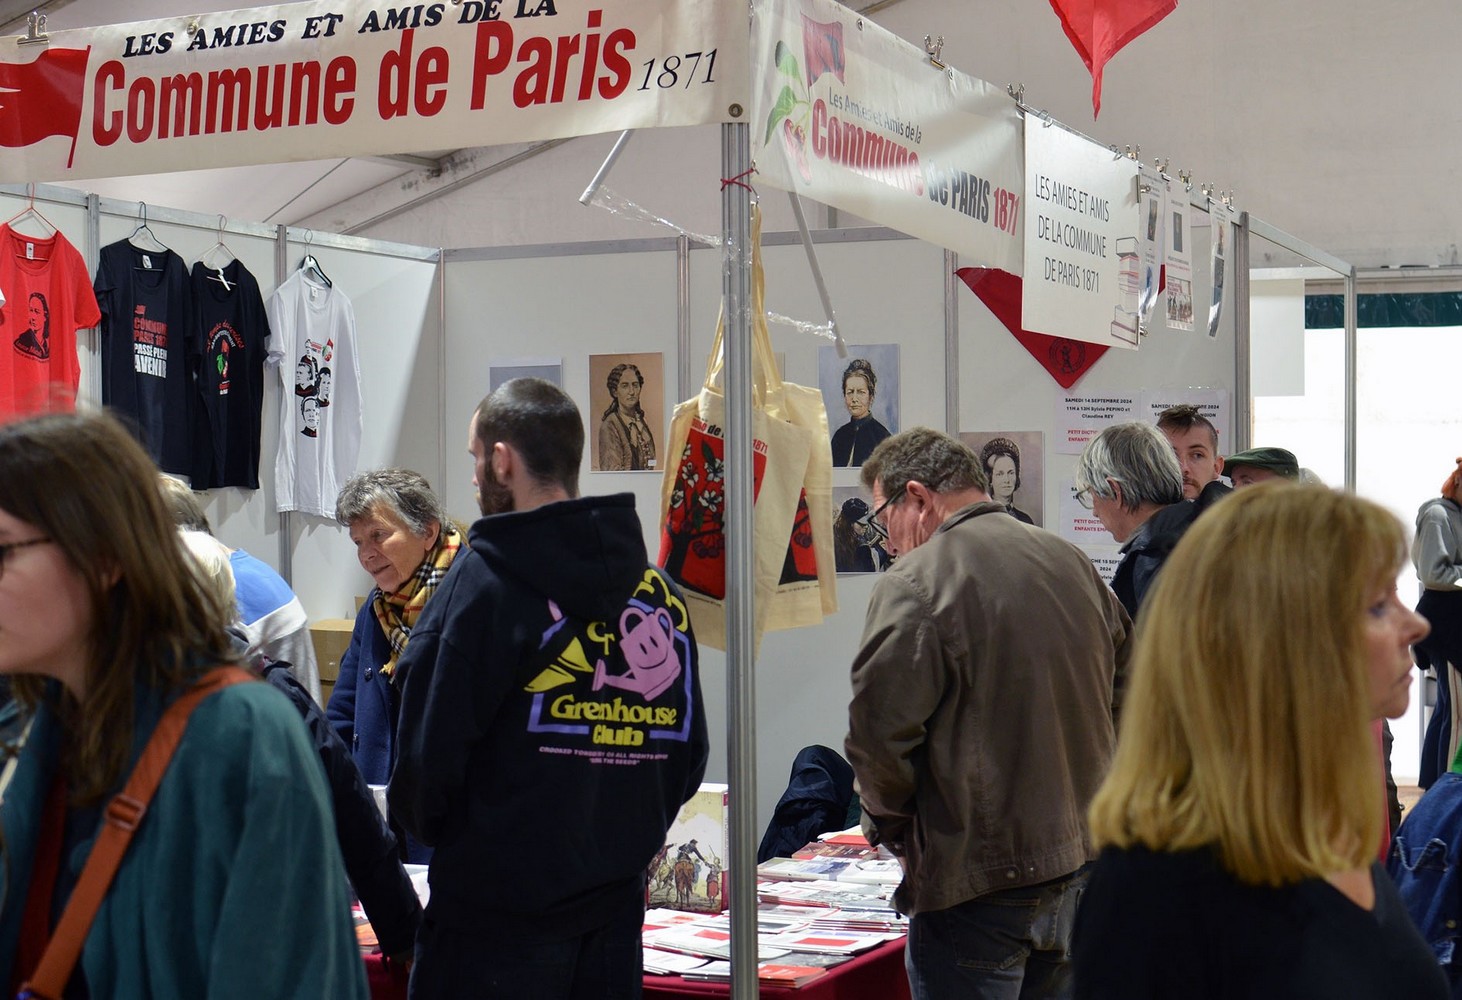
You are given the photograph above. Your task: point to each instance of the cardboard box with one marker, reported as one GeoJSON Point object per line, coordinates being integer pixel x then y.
{"type": "Point", "coordinates": [331, 637]}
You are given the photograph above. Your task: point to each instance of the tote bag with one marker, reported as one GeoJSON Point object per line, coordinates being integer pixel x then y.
{"type": "Point", "coordinates": [792, 541]}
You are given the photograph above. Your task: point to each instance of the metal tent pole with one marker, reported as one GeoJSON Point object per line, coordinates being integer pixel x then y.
{"type": "Point", "coordinates": [740, 641]}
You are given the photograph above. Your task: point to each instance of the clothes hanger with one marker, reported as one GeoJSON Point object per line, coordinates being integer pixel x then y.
{"type": "Point", "coordinates": [312, 266]}
{"type": "Point", "coordinates": [217, 257]}
{"type": "Point", "coordinates": [30, 212]}
{"type": "Point", "coordinates": [143, 237]}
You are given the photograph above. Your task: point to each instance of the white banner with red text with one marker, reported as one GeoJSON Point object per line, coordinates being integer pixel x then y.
{"type": "Point", "coordinates": [855, 117]}
{"type": "Point", "coordinates": [314, 80]}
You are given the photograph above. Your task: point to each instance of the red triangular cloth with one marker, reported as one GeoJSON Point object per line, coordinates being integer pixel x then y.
{"type": "Point", "coordinates": [1066, 360]}
{"type": "Point", "coordinates": [1099, 29]}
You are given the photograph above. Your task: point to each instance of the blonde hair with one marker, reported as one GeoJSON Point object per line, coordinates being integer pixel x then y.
{"type": "Point", "coordinates": [211, 564]}
{"type": "Point", "coordinates": [1246, 726]}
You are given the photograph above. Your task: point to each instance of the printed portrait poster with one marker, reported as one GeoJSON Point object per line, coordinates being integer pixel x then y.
{"type": "Point", "coordinates": [626, 412]}
{"type": "Point", "coordinates": [1015, 462]}
{"type": "Point", "coordinates": [548, 369]}
{"type": "Point", "coordinates": [861, 393]}
{"type": "Point", "coordinates": [1152, 239]}
{"type": "Point", "coordinates": [858, 546]}
{"type": "Point", "coordinates": [1179, 263]}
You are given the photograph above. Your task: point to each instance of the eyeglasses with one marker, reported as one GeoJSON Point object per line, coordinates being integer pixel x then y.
{"type": "Point", "coordinates": [1083, 497]}
{"type": "Point", "coordinates": [875, 520]}
{"type": "Point", "coordinates": [10, 547]}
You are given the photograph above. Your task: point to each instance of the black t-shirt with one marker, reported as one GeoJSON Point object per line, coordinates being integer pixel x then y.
{"type": "Point", "coordinates": [1178, 925]}
{"type": "Point", "coordinates": [232, 330]}
{"type": "Point", "coordinates": [148, 356]}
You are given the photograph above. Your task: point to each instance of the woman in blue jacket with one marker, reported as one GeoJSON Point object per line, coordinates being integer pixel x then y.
{"type": "Point", "coordinates": [405, 541]}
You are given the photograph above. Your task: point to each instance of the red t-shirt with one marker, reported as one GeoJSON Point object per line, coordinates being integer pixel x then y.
{"type": "Point", "coordinates": [48, 297]}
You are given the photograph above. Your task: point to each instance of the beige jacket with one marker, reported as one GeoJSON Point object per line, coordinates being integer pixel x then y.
{"type": "Point", "coordinates": [984, 702]}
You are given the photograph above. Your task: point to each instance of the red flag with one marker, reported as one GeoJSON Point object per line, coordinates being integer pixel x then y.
{"type": "Point", "coordinates": [1066, 360]}
{"type": "Point", "coordinates": [42, 98]}
{"type": "Point", "coordinates": [1099, 29]}
{"type": "Point", "coordinates": [822, 49]}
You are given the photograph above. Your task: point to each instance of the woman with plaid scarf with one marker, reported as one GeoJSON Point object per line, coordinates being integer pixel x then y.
{"type": "Point", "coordinates": [405, 541]}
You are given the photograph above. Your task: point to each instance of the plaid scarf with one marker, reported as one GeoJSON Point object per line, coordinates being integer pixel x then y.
{"type": "Point", "coordinates": [397, 612]}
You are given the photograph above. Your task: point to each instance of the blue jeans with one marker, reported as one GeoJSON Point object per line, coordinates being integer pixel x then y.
{"type": "Point", "coordinates": [1014, 944]}
{"type": "Point", "coordinates": [466, 964]}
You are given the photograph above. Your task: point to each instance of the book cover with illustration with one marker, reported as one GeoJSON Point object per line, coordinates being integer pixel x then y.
{"type": "Point", "coordinates": [689, 872]}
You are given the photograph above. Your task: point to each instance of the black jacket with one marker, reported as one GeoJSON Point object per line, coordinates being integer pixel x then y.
{"type": "Point", "coordinates": [1147, 550]}
{"type": "Point", "coordinates": [551, 720]}
{"type": "Point", "coordinates": [372, 861]}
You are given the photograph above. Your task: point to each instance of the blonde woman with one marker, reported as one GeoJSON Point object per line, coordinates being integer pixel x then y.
{"type": "Point", "coordinates": [1238, 826]}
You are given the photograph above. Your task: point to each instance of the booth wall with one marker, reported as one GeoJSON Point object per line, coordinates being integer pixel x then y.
{"type": "Point", "coordinates": [886, 289]}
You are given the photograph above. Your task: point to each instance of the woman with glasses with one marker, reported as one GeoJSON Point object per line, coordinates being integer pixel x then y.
{"type": "Point", "coordinates": [854, 441]}
{"type": "Point", "coordinates": [103, 625]}
{"type": "Point", "coordinates": [1239, 823]}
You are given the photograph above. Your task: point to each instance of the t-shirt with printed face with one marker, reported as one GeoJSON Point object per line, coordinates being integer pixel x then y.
{"type": "Point", "coordinates": [47, 298]}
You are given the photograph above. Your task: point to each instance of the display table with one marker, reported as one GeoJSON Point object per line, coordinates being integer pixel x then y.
{"type": "Point", "coordinates": [875, 975]}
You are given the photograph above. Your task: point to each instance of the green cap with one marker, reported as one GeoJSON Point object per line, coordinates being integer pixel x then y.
{"type": "Point", "coordinates": [1274, 459]}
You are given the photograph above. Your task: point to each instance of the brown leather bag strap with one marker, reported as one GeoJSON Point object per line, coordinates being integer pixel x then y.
{"type": "Point", "coordinates": [124, 815]}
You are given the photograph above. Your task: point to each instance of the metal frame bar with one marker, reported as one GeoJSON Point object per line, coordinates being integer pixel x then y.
{"type": "Point", "coordinates": [740, 584]}
{"type": "Point", "coordinates": [1347, 271]}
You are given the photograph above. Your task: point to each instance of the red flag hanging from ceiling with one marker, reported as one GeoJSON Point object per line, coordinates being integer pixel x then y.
{"type": "Point", "coordinates": [43, 97]}
{"type": "Point", "coordinates": [1099, 29]}
{"type": "Point", "coordinates": [1065, 360]}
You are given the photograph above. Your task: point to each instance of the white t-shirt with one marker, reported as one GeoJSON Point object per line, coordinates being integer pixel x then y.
{"type": "Point", "coordinates": [312, 345]}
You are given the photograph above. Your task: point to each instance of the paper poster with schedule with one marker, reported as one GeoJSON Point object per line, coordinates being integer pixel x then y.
{"type": "Point", "coordinates": [1081, 418]}
{"type": "Point", "coordinates": [1081, 245]}
{"type": "Point", "coordinates": [1214, 404]}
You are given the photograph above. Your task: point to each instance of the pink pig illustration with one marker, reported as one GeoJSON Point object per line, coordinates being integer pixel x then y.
{"type": "Point", "coordinates": [647, 642]}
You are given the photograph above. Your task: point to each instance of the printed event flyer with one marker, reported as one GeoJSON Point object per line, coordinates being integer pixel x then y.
{"type": "Point", "coordinates": [855, 117]}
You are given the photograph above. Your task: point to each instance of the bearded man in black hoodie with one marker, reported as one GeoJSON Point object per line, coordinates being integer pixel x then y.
{"type": "Point", "coordinates": [551, 723]}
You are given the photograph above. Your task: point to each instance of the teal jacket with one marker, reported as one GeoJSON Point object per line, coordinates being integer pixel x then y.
{"type": "Point", "coordinates": [233, 885]}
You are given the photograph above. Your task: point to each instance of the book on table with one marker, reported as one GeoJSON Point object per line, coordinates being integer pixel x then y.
{"type": "Point", "coordinates": [689, 872]}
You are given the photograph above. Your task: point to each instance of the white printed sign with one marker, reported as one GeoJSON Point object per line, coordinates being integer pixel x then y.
{"type": "Point", "coordinates": [313, 80]}
{"type": "Point", "coordinates": [854, 116]}
{"type": "Point", "coordinates": [1080, 239]}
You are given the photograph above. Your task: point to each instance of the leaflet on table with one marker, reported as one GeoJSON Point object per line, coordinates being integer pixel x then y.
{"type": "Point", "coordinates": [828, 942]}
{"type": "Point", "coordinates": [878, 871]}
{"type": "Point", "coordinates": [823, 893]}
{"type": "Point", "coordinates": [1081, 418]}
{"type": "Point", "coordinates": [712, 942]}
{"type": "Point", "coordinates": [669, 963]}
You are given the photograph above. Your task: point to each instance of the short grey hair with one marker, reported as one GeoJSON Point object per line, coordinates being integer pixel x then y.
{"type": "Point", "coordinates": [404, 493]}
{"type": "Point", "coordinates": [1138, 456]}
{"type": "Point", "coordinates": [940, 462]}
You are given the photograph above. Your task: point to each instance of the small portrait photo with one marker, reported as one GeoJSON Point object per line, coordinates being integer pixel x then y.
{"type": "Point", "coordinates": [548, 369]}
{"type": "Point", "coordinates": [35, 340]}
{"type": "Point", "coordinates": [861, 393]}
{"type": "Point", "coordinates": [306, 375]}
{"type": "Point", "coordinates": [627, 403]}
{"type": "Point", "coordinates": [1015, 463]}
{"type": "Point", "coordinates": [1178, 232]}
{"type": "Point", "coordinates": [858, 541]}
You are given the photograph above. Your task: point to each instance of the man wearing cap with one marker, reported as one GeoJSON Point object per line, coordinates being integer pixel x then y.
{"type": "Point", "coordinates": [1258, 465]}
